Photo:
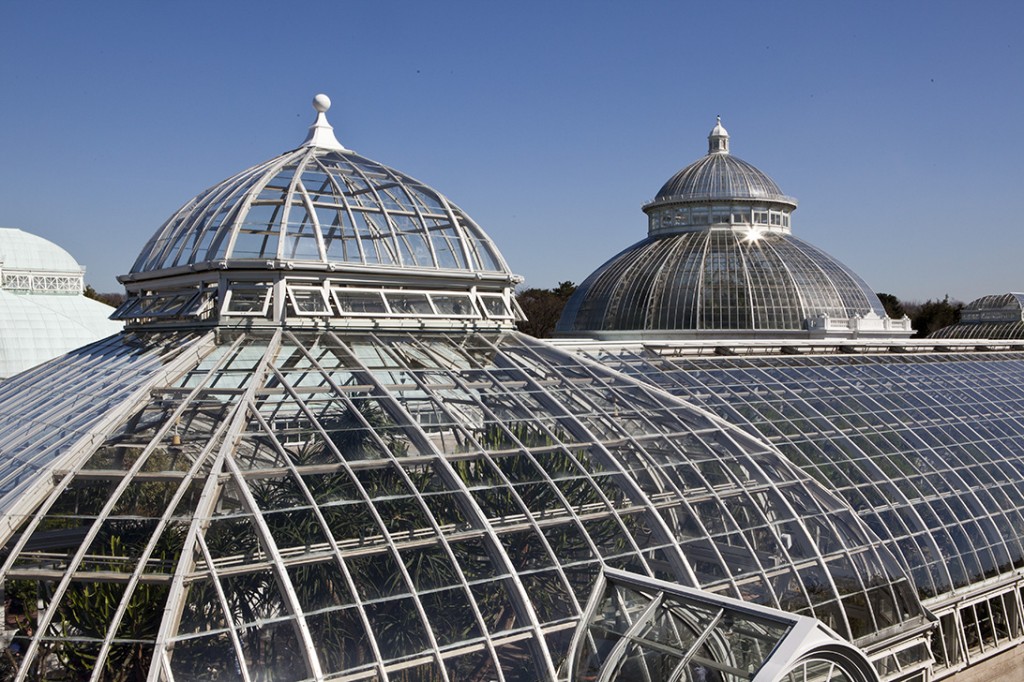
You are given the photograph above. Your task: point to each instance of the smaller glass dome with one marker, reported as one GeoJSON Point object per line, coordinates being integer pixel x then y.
{"type": "Point", "coordinates": [720, 176]}
{"type": "Point", "coordinates": [20, 250]}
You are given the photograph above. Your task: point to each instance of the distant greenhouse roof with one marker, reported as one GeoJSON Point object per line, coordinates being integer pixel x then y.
{"type": "Point", "coordinates": [719, 261]}
{"type": "Point", "coordinates": [996, 316]}
{"type": "Point", "coordinates": [37, 327]}
{"type": "Point", "coordinates": [42, 310]}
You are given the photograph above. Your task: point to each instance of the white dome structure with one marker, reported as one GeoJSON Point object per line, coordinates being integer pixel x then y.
{"type": "Point", "coordinates": [43, 313]}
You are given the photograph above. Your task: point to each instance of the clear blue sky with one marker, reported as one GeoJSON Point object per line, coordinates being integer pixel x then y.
{"type": "Point", "coordinates": [896, 124]}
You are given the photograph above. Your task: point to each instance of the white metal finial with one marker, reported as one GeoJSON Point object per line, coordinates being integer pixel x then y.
{"type": "Point", "coordinates": [321, 134]}
{"type": "Point", "coordinates": [322, 103]}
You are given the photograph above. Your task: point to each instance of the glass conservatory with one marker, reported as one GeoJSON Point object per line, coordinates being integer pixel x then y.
{"type": "Point", "coordinates": [320, 451]}
{"type": "Point", "coordinates": [720, 261]}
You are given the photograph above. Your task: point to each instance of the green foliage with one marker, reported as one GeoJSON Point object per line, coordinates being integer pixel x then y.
{"type": "Point", "coordinates": [893, 306]}
{"type": "Point", "coordinates": [925, 317]}
{"type": "Point", "coordinates": [111, 299]}
{"type": "Point", "coordinates": [931, 315]}
{"type": "Point", "coordinates": [543, 307]}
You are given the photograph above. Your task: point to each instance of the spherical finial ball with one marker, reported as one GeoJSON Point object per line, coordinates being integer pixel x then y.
{"type": "Point", "coordinates": [322, 103]}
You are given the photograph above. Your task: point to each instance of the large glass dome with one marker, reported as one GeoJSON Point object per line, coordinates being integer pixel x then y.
{"type": "Point", "coordinates": [276, 484]}
{"type": "Point", "coordinates": [720, 259]}
{"type": "Point", "coordinates": [321, 206]}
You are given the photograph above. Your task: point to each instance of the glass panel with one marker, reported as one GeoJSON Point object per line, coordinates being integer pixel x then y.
{"type": "Point", "coordinates": [205, 657]}
{"type": "Point", "coordinates": [456, 305]}
{"type": "Point", "coordinates": [409, 304]}
{"type": "Point", "coordinates": [340, 640]}
{"type": "Point", "coordinates": [495, 306]}
{"type": "Point", "coordinates": [359, 302]}
{"type": "Point", "coordinates": [309, 301]}
{"type": "Point", "coordinates": [397, 627]}
{"type": "Point", "coordinates": [245, 301]}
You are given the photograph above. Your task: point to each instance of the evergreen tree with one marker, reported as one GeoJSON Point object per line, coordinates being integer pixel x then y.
{"type": "Point", "coordinates": [543, 307]}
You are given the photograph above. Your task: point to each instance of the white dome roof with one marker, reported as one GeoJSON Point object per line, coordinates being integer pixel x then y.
{"type": "Point", "coordinates": [37, 327]}
{"type": "Point", "coordinates": [20, 250]}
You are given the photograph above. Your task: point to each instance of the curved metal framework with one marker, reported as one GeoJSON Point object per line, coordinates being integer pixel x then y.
{"type": "Point", "coordinates": [998, 316]}
{"type": "Point", "coordinates": [716, 281]}
{"type": "Point", "coordinates": [321, 207]}
{"type": "Point", "coordinates": [404, 506]}
{"type": "Point", "coordinates": [927, 448]}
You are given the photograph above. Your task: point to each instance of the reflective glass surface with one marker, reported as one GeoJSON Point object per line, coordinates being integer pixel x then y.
{"type": "Point", "coordinates": [313, 205]}
{"type": "Point", "coordinates": [721, 176]}
{"type": "Point", "coordinates": [927, 448]}
{"type": "Point", "coordinates": [717, 280]}
{"type": "Point", "coordinates": [306, 504]}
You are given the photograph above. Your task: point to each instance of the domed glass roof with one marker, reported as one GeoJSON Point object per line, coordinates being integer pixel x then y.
{"type": "Point", "coordinates": [323, 234]}
{"type": "Point", "coordinates": [720, 259]}
{"type": "Point", "coordinates": [720, 176]}
{"type": "Point", "coordinates": [320, 207]}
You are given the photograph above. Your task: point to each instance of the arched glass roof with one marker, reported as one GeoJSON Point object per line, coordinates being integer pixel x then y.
{"type": "Point", "coordinates": [927, 448]}
{"type": "Point", "coordinates": [406, 506]}
{"type": "Point", "coordinates": [997, 316]}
